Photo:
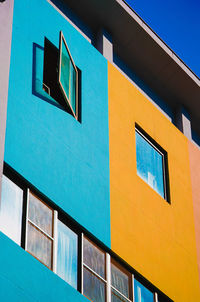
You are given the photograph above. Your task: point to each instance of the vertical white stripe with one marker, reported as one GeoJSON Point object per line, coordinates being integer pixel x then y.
{"type": "Point", "coordinates": [55, 236]}
{"type": "Point", "coordinates": [108, 278]}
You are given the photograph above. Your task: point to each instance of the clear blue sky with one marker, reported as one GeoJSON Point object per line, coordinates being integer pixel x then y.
{"type": "Point", "coordinates": [177, 23]}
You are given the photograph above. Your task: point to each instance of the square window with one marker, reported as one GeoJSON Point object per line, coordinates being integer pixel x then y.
{"type": "Point", "coordinates": [151, 163]}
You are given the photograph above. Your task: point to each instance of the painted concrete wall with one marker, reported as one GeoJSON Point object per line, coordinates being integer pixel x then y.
{"type": "Point", "coordinates": [195, 179]}
{"type": "Point", "coordinates": [24, 279]}
{"type": "Point", "coordinates": [66, 160]}
{"type": "Point", "coordinates": [6, 19]}
{"type": "Point", "coordinates": [153, 236]}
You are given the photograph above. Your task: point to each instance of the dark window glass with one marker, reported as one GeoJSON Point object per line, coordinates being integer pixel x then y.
{"type": "Point", "coordinates": [40, 214]}
{"type": "Point", "coordinates": [39, 245]}
{"type": "Point", "coordinates": [93, 287]}
{"type": "Point", "coordinates": [94, 258]}
{"type": "Point", "coordinates": [116, 297]}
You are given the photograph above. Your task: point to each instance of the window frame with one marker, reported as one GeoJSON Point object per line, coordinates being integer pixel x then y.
{"type": "Point", "coordinates": [163, 153]}
{"type": "Point", "coordinates": [81, 233]}
{"type": "Point", "coordinates": [62, 38]}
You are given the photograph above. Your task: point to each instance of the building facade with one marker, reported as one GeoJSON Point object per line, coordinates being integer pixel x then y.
{"type": "Point", "coordinates": [99, 157]}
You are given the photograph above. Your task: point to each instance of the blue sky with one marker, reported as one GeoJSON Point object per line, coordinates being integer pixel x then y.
{"type": "Point", "coordinates": [177, 22]}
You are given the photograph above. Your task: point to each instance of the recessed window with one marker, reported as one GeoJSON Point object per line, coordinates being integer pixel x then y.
{"type": "Point", "coordinates": [151, 163]}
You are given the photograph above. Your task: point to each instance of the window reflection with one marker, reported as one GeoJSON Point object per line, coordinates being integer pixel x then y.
{"type": "Point", "coordinates": [142, 294]}
{"type": "Point", "coordinates": [40, 214]}
{"type": "Point", "coordinates": [94, 258]}
{"type": "Point", "coordinates": [39, 245]}
{"type": "Point", "coordinates": [150, 164]}
{"type": "Point", "coordinates": [120, 280]}
{"type": "Point", "coordinates": [11, 210]}
{"type": "Point", "coordinates": [93, 287]}
{"type": "Point", "coordinates": [67, 254]}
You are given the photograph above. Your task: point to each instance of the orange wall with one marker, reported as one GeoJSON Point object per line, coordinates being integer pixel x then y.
{"type": "Point", "coordinates": [154, 237]}
{"type": "Point", "coordinates": [195, 177]}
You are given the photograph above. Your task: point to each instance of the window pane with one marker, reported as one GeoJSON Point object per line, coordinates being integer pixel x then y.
{"type": "Point", "coordinates": [73, 87]}
{"type": "Point", "coordinates": [65, 70]}
{"type": "Point", "coordinates": [67, 78]}
{"type": "Point", "coordinates": [39, 245]}
{"type": "Point", "coordinates": [120, 280]}
{"type": "Point", "coordinates": [142, 294]}
{"type": "Point", "coordinates": [94, 258]}
{"type": "Point", "coordinates": [11, 210]}
{"type": "Point", "coordinates": [93, 287]}
{"type": "Point", "coordinates": [116, 297]}
{"type": "Point", "coordinates": [40, 214]}
{"type": "Point", "coordinates": [67, 254]}
{"type": "Point", "coordinates": [149, 164]}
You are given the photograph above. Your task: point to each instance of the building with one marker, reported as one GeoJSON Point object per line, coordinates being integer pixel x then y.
{"type": "Point", "coordinates": [99, 157]}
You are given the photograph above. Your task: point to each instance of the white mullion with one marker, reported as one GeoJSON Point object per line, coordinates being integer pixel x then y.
{"type": "Point", "coordinates": [41, 230]}
{"type": "Point", "coordinates": [82, 237]}
{"type": "Point", "coordinates": [94, 273]}
{"type": "Point", "coordinates": [155, 297]}
{"type": "Point", "coordinates": [27, 207]}
{"type": "Point", "coordinates": [55, 241]}
{"type": "Point", "coordinates": [108, 278]}
{"type": "Point", "coordinates": [120, 294]}
{"type": "Point", "coordinates": [133, 287]}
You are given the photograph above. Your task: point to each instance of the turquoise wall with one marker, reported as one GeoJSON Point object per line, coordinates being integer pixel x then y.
{"type": "Point", "coordinates": [24, 279]}
{"type": "Point", "coordinates": [66, 160]}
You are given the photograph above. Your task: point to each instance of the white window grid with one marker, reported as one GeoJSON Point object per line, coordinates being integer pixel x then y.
{"type": "Point", "coordinates": [107, 281]}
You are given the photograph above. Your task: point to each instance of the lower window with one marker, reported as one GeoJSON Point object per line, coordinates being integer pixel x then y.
{"type": "Point", "coordinates": [42, 232]}
{"type": "Point", "coordinates": [34, 225]}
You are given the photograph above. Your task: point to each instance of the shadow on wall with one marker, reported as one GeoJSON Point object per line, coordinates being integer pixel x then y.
{"type": "Point", "coordinates": [61, 5]}
{"type": "Point", "coordinates": [196, 138]}
{"type": "Point", "coordinates": [37, 76]}
{"type": "Point", "coordinates": [54, 98]}
{"type": "Point", "coordinates": [154, 98]}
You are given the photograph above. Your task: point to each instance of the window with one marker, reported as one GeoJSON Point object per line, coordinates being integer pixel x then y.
{"type": "Point", "coordinates": [121, 283]}
{"type": "Point", "coordinates": [151, 163]}
{"type": "Point", "coordinates": [11, 209]}
{"type": "Point", "coordinates": [41, 231]}
{"type": "Point", "coordinates": [94, 272]}
{"type": "Point", "coordinates": [61, 76]}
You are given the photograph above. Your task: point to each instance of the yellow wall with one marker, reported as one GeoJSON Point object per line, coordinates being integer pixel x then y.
{"type": "Point", "coordinates": [154, 237]}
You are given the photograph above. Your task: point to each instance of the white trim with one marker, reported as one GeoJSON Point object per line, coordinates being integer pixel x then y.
{"type": "Point", "coordinates": [55, 242]}
{"type": "Point", "coordinates": [41, 230]}
{"type": "Point", "coordinates": [133, 289]}
{"type": "Point", "coordinates": [82, 239]}
{"type": "Point", "coordinates": [94, 273]}
{"type": "Point", "coordinates": [120, 294]}
{"type": "Point", "coordinates": [26, 231]}
{"type": "Point", "coordinates": [108, 277]}
{"type": "Point", "coordinates": [155, 297]}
